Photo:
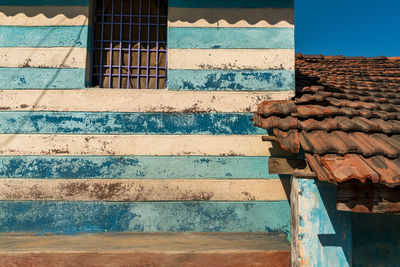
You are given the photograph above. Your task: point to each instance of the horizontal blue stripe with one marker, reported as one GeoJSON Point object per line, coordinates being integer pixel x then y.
{"type": "Point", "coordinates": [44, 2]}
{"type": "Point", "coordinates": [214, 38]}
{"type": "Point", "coordinates": [43, 36]}
{"type": "Point", "coordinates": [127, 123]}
{"type": "Point", "coordinates": [78, 217]}
{"type": "Point", "coordinates": [231, 3]}
{"type": "Point", "coordinates": [268, 80]}
{"type": "Point", "coordinates": [41, 78]}
{"type": "Point", "coordinates": [135, 167]}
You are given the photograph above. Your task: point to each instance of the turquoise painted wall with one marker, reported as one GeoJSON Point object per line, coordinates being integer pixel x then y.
{"type": "Point", "coordinates": [222, 31]}
{"type": "Point", "coordinates": [224, 80]}
{"type": "Point", "coordinates": [37, 31]}
{"type": "Point", "coordinates": [321, 235]}
{"type": "Point", "coordinates": [324, 236]}
{"type": "Point", "coordinates": [78, 217]}
{"type": "Point", "coordinates": [127, 123]}
{"type": "Point", "coordinates": [73, 217]}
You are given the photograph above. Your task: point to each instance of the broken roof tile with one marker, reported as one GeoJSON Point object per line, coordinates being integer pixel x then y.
{"type": "Point", "coordinates": [289, 140]}
{"type": "Point", "coordinates": [350, 166]}
{"type": "Point", "coordinates": [319, 170]}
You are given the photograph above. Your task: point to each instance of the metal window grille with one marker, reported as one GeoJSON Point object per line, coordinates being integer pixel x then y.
{"type": "Point", "coordinates": [130, 44]}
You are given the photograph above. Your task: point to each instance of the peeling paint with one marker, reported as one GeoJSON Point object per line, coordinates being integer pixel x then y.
{"type": "Point", "coordinates": [142, 190]}
{"type": "Point", "coordinates": [49, 57]}
{"type": "Point", "coordinates": [138, 178]}
{"type": "Point", "coordinates": [91, 217]}
{"type": "Point", "coordinates": [43, 36]}
{"type": "Point", "coordinates": [122, 100]}
{"type": "Point", "coordinates": [225, 38]}
{"type": "Point", "coordinates": [273, 80]}
{"type": "Point", "coordinates": [127, 123]}
{"type": "Point", "coordinates": [51, 78]}
{"type": "Point", "coordinates": [231, 59]}
{"type": "Point", "coordinates": [135, 167]}
{"type": "Point", "coordinates": [321, 234]}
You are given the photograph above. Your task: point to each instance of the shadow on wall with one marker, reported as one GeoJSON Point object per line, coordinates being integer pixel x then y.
{"type": "Point", "coordinates": [283, 17]}
{"type": "Point", "coordinates": [181, 17]}
{"type": "Point", "coordinates": [276, 151]}
{"type": "Point", "coordinates": [51, 79]}
{"type": "Point", "coordinates": [376, 239]}
{"type": "Point", "coordinates": [338, 219]}
{"type": "Point", "coordinates": [70, 12]}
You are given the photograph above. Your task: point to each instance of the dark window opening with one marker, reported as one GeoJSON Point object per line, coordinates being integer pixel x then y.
{"type": "Point", "coordinates": [132, 35]}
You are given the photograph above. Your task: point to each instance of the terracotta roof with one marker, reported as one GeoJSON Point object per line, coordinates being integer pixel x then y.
{"type": "Point", "coordinates": [345, 116]}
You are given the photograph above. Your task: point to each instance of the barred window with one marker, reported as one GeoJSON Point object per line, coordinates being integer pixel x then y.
{"type": "Point", "coordinates": [130, 44]}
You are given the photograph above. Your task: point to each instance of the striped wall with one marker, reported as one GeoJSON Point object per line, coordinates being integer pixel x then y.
{"type": "Point", "coordinates": [44, 44]}
{"type": "Point", "coordinates": [186, 158]}
{"type": "Point", "coordinates": [231, 45]}
{"type": "Point", "coordinates": [95, 160]}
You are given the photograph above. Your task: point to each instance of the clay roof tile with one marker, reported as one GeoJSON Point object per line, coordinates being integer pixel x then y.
{"type": "Point", "coordinates": [345, 115]}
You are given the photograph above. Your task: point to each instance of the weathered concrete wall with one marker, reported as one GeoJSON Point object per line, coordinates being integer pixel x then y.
{"type": "Point", "coordinates": [231, 45]}
{"type": "Point", "coordinates": [93, 160]}
{"type": "Point", "coordinates": [142, 189]}
{"type": "Point", "coordinates": [44, 44]}
{"type": "Point", "coordinates": [85, 146]}
{"type": "Point", "coordinates": [78, 217]}
{"type": "Point", "coordinates": [321, 235]}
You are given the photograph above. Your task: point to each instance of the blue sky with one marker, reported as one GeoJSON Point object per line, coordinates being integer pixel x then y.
{"type": "Point", "coordinates": [348, 27]}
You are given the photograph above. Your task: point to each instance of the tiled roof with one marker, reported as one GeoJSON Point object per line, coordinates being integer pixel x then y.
{"type": "Point", "coordinates": [345, 116]}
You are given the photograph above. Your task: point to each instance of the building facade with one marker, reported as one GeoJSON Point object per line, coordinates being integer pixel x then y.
{"type": "Point", "coordinates": [134, 115]}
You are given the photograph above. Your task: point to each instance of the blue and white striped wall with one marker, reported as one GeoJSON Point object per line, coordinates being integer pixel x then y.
{"type": "Point", "coordinates": [230, 45]}
{"type": "Point", "coordinates": [182, 159]}
{"type": "Point", "coordinates": [44, 44]}
{"type": "Point", "coordinates": [99, 160]}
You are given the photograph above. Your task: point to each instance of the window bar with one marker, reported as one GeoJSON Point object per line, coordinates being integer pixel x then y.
{"type": "Point", "coordinates": [133, 49]}
{"type": "Point", "coordinates": [166, 66]}
{"type": "Point", "coordinates": [111, 43]}
{"type": "Point", "coordinates": [135, 24]}
{"type": "Point", "coordinates": [148, 44]}
{"type": "Point", "coordinates": [129, 45]}
{"type": "Point", "coordinates": [120, 44]}
{"type": "Point", "coordinates": [132, 67]}
{"type": "Point", "coordinates": [102, 42]}
{"type": "Point", "coordinates": [153, 16]}
{"type": "Point", "coordinates": [125, 75]}
{"type": "Point", "coordinates": [157, 48]}
{"type": "Point", "coordinates": [139, 44]}
{"type": "Point", "coordinates": [153, 42]}
{"type": "Point", "coordinates": [107, 16]}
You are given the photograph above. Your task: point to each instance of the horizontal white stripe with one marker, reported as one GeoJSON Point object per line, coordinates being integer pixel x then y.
{"type": "Point", "coordinates": [55, 57]}
{"type": "Point", "coordinates": [161, 145]}
{"type": "Point", "coordinates": [231, 59]}
{"type": "Point", "coordinates": [43, 15]}
{"type": "Point", "coordinates": [230, 17]}
{"type": "Point", "coordinates": [123, 100]}
{"type": "Point", "coordinates": [142, 190]}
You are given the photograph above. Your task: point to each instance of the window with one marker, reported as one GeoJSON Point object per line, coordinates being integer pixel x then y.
{"type": "Point", "coordinates": [130, 44]}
